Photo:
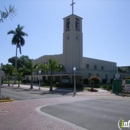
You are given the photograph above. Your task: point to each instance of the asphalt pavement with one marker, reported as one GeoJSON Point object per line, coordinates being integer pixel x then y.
{"type": "Point", "coordinates": [24, 92]}
{"type": "Point", "coordinates": [92, 114]}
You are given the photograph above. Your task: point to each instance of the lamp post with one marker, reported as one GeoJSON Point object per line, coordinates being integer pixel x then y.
{"type": "Point", "coordinates": [39, 78]}
{"type": "Point", "coordinates": [74, 69]}
{"type": "Point", "coordinates": [117, 75]}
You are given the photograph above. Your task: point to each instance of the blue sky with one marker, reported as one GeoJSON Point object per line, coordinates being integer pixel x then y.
{"type": "Point", "coordinates": [106, 28]}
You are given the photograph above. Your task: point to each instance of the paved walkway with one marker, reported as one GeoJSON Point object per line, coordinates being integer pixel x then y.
{"type": "Point", "coordinates": [22, 115]}
{"type": "Point", "coordinates": [63, 90]}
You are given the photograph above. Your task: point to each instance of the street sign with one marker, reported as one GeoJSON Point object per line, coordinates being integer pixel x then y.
{"type": "Point", "coordinates": [127, 87]}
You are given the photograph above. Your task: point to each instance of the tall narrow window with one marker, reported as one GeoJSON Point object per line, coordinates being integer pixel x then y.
{"type": "Point", "coordinates": [77, 38]}
{"type": "Point", "coordinates": [95, 67]}
{"type": "Point", "coordinates": [102, 67]}
{"type": "Point", "coordinates": [106, 76]}
{"type": "Point", "coordinates": [68, 24]}
{"type": "Point", "coordinates": [113, 76]}
{"type": "Point", "coordinates": [87, 66]}
{"type": "Point", "coordinates": [89, 75]}
{"type": "Point", "coordinates": [77, 24]}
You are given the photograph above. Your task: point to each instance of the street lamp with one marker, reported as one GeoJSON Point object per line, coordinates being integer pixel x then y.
{"type": "Point", "coordinates": [39, 78]}
{"type": "Point", "coordinates": [74, 69]}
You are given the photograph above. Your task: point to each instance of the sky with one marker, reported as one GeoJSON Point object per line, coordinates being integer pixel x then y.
{"type": "Point", "coordinates": [106, 28]}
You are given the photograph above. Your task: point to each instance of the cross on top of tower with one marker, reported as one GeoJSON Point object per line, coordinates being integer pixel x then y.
{"type": "Point", "coordinates": [72, 6]}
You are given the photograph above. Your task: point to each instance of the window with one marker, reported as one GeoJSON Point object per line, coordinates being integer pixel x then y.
{"type": "Point", "coordinates": [97, 75]}
{"type": "Point", "coordinates": [95, 67]}
{"type": "Point", "coordinates": [102, 67]}
{"type": "Point", "coordinates": [113, 76]}
{"type": "Point", "coordinates": [68, 24]}
{"type": "Point", "coordinates": [87, 66]}
{"type": "Point", "coordinates": [89, 75]}
{"type": "Point", "coordinates": [77, 38]}
{"type": "Point", "coordinates": [106, 76]}
{"type": "Point", "coordinates": [67, 37]}
{"type": "Point", "coordinates": [77, 24]}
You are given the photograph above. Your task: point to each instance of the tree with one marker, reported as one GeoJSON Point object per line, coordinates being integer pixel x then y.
{"type": "Point", "coordinates": [18, 39]}
{"type": "Point", "coordinates": [54, 66]}
{"type": "Point", "coordinates": [7, 13]}
{"type": "Point", "coordinates": [93, 80]}
{"type": "Point", "coordinates": [8, 70]}
{"type": "Point", "coordinates": [21, 63]}
{"type": "Point", "coordinates": [20, 72]}
{"type": "Point", "coordinates": [31, 68]}
{"type": "Point", "coordinates": [41, 67]}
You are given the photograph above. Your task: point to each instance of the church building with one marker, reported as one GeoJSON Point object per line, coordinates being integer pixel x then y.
{"type": "Point", "coordinates": [72, 56]}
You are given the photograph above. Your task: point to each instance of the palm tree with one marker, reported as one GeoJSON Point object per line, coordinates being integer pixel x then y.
{"type": "Point", "coordinates": [7, 13]}
{"type": "Point", "coordinates": [20, 72]}
{"type": "Point", "coordinates": [41, 67]}
{"type": "Point", "coordinates": [18, 39]}
{"type": "Point", "coordinates": [54, 66]}
{"type": "Point", "coordinates": [31, 68]}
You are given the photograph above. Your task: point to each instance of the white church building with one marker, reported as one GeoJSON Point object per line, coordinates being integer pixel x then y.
{"type": "Point", "coordinates": [72, 56]}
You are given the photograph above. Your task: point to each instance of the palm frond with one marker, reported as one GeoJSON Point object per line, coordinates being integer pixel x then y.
{"type": "Point", "coordinates": [11, 13]}
{"type": "Point", "coordinates": [6, 10]}
{"type": "Point", "coordinates": [23, 33]}
{"type": "Point", "coordinates": [22, 41]}
{"type": "Point", "coordinates": [11, 32]}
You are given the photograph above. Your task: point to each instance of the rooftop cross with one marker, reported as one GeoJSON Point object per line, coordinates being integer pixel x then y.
{"type": "Point", "coordinates": [72, 6]}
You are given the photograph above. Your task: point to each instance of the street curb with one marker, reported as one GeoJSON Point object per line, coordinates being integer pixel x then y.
{"type": "Point", "coordinates": [38, 109]}
{"type": "Point", "coordinates": [8, 100]}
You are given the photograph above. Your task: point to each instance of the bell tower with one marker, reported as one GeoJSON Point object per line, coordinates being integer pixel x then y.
{"type": "Point", "coordinates": [72, 41]}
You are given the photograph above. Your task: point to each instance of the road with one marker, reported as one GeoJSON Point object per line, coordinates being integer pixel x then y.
{"type": "Point", "coordinates": [93, 114]}
{"type": "Point", "coordinates": [25, 93]}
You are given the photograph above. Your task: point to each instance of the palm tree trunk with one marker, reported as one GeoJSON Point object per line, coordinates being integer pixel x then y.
{"type": "Point", "coordinates": [15, 64]}
{"type": "Point", "coordinates": [8, 81]}
{"type": "Point", "coordinates": [31, 87]}
{"type": "Point", "coordinates": [51, 83]}
{"type": "Point", "coordinates": [16, 58]}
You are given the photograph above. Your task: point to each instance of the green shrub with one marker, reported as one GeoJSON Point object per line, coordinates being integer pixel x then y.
{"type": "Point", "coordinates": [104, 81]}
{"type": "Point", "coordinates": [37, 81]}
{"type": "Point", "coordinates": [106, 87]}
{"type": "Point", "coordinates": [57, 84]}
{"type": "Point", "coordinates": [46, 83]}
{"type": "Point", "coordinates": [42, 84]}
{"type": "Point", "coordinates": [24, 81]}
{"type": "Point", "coordinates": [85, 81]}
{"type": "Point", "coordinates": [109, 87]}
{"type": "Point", "coordinates": [102, 87]}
